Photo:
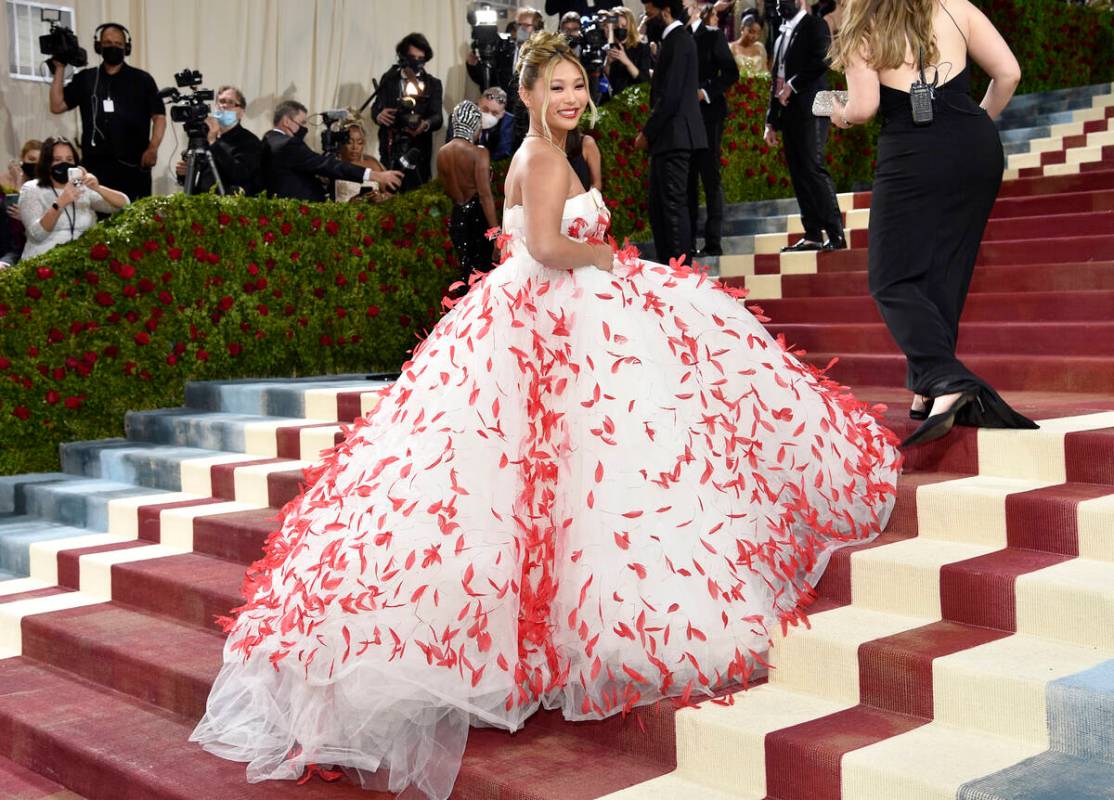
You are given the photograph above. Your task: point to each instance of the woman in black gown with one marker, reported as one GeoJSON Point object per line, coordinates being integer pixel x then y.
{"type": "Point", "coordinates": [934, 188]}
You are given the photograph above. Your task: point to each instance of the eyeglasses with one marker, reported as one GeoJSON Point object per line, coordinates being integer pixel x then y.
{"type": "Point", "coordinates": [229, 104]}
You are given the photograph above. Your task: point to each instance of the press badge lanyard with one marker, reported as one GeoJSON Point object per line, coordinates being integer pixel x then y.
{"type": "Point", "coordinates": [70, 218]}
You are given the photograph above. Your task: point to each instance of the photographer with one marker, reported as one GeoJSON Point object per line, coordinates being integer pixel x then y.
{"type": "Point", "coordinates": [65, 200]}
{"type": "Point", "coordinates": [290, 168]}
{"type": "Point", "coordinates": [408, 110]}
{"type": "Point", "coordinates": [237, 152]}
{"type": "Point", "coordinates": [122, 117]}
{"type": "Point", "coordinates": [628, 58]}
{"type": "Point", "coordinates": [503, 57]}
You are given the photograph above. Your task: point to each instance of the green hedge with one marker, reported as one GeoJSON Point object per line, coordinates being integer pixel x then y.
{"type": "Point", "coordinates": [179, 288]}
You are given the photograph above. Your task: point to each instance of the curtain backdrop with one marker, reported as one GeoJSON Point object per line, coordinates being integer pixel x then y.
{"type": "Point", "coordinates": [323, 53]}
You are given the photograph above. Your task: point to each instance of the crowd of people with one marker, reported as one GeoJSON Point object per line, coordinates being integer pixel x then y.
{"type": "Point", "coordinates": [123, 121]}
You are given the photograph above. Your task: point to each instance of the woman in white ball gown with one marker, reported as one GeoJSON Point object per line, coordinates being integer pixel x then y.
{"type": "Point", "coordinates": [598, 483]}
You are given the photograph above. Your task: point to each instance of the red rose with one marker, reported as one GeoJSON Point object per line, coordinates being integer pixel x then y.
{"type": "Point", "coordinates": [253, 269]}
{"type": "Point", "coordinates": [127, 271]}
{"type": "Point", "coordinates": [340, 280]}
{"type": "Point", "coordinates": [152, 325]}
{"type": "Point", "coordinates": [404, 320]}
{"type": "Point", "coordinates": [262, 310]}
{"type": "Point", "coordinates": [55, 336]}
{"type": "Point", "coordinates": [89, 357]}
{"type": "Point", "coordinates": [21, 412]}
{"type": "Point", "coordinates": [179, 348]}
{"type": "Point", "coordinates": [146, 286]}
{"type": "Point", "coordinates": [34, 292]}
{"type": "Point", "coordinates": [130, 291]}
{"type": "Point", "coordinates": [111, 351]}
{"type": "Point", "coordinates": [342, 312]}
{"type": "Point", "coordinates": [74, 401]}
{"type": "Point", "coordinates": [174, 253]}
{"type": "Point", "coordinates": [235, 348]}
{"type": "Point", "coordinates": [5, 363]}
{"type": "Point", "coordinates": [197, 228]}
{"type": "Point", "coordinates": [135, 254]}
{"type": "Point", "coordinates": [99, 252]}
{"type": "Point", "coordinates": [142, 338]}
{"type": "Point", "coordinates": [223, 218]}
{"type": "Point", "coordinates": [44, 273]}
{"type": "Point", "coordinates": [213, 258]}
{"type": "Point", "coordinates": [199, 253]}
{"type": "Point", "coordinates": [269, 237]}
{"type": "Point", "coordinates": [172, 359]}
{"type": "Point", "coordinates": [225, 303]}
{"type": "Point", "coordinates": [165, 298]}
{"type": "Point", "coordinates": [92, 278]}
{"type": "Point", "coordinates": [150, 245]}
{"type": "Point", "coordinates": [202, 355]}
{"type": "Point", "coordinates": [326, 340]}
{"type": "Point", "coordinates": [332, 228]}
{"type": "Point", "coordinates": [52, 397]}
{"type": "Point", "coordinates": [286, 228]}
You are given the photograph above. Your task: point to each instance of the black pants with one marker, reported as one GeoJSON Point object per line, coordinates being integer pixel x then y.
{"type": "Point", "coordinates": [805, 138]}
{"type": "Point", "coordinates": [135, 181]}
{"type": "Point", "coordinates": [706, 169]}
{"type": "Point", "coordinates": [669, 214]}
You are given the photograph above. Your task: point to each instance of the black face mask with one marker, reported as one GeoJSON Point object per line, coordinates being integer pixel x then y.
{"type": "Point", "coordinates": [61, 171]}
{"type": "Point", "coordinates": [28, 168]}
{"type": "Point", "coordinates": [621, 34]}
{"type": "Point", "coordinates": [113, 56]}
{"type": "Point", "coordinates": [416, 64]}
{"type": "Point", "coordinates": [654, 29]}
{"type": "Point", "coordinates": [787, 9]}
{"type": "Point", "coordinates": [300, 134]}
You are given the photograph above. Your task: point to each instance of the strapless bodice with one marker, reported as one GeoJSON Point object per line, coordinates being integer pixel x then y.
{"type": "Point", "coordinates": [586, 217]}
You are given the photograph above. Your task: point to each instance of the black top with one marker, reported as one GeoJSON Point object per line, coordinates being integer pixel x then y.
{"type": "Point", "coordinates": [675, 121]}
{"type": "Point", "coordinates": [619, 78]}
{"type": "Point", "coordinates": [125, 131]}
{"type": "Point", "coordinates": [718, 70]}
{"type": "Point", "coordinates": [806, 66]}
{"type": "Point", "coordinates": [390, 95]}
{"type": "Point", "coordinates": [291, 169]}
{"type": "Point", "coordinates": [238, 154]}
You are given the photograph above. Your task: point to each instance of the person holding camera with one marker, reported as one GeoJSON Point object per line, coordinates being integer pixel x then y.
{"type": "Point", "coordinates": [800, 70]}
{"type": "Point", "coordinates": [237, 152]}
{"type": "Point", "coordinates": [122, 117]}
{"type": "Point", "coordinates": [628, 58]}
{"type": "Point", "coordinates": [291, 169]}
{"type": "Point", "coordinates": [408, 110]}
{"type": "Point", "coordinates": [65, 200]}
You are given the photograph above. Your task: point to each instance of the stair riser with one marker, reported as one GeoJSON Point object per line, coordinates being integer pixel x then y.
{"type": "Point", "coordinates": [281, 399]}
{"type": "Point", "coordinates": [973, 339]}
{"type": "Point", "coordinates": [278, 438]}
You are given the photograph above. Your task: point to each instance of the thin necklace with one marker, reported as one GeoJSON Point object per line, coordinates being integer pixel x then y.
{"type": "Point", "coordinates": [553, 144]}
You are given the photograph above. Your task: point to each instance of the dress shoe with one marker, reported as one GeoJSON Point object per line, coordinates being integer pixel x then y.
{"type": "Point", "coordinates": [939, 425]}
{"type": "Point", "coordinates": [803, 246]}
{"type": "Point", "coordinates": [921, 414]}
{"type": "Point", "coordinates": [835, 243]}
{"type": "Point", "coordinates": [710, 251]}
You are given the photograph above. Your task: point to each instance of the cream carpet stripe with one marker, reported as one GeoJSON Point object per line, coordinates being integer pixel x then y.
{"type": "Point", "coordinates": [21, 585]}
{"type": "Point", "coordinates": [1069, 602]}
{"type": "Point", "coordinates": [764, 287]}
{"type": "Point", "coordinates": [123, 512]}
{"type": "Point", "coordinates": [798, 263]}
{"type": "Point", "coordinates": [260, 437]}
{"type": "Point", "coordinates": [824, 659]}
{"type": "Point", "coordinates": [1096, 528]}
{"type": "Point", "coordinates": [176, 524]}
{"type": "Point", "coordinates": [321, 404]}
{"type": "Point", "coordinates": [196, 476]}
{"type": "Point", "coordinates": [312, 441]}
{"type": "Point", "coordinates": [736, 266]}
{"type": "Point", "coordinates": [1036, 454]}
{"type": "Point", "coordinates": [674, 787]}
{"type": "Point", "coordinates": [971, 510]}
{"type": "Point", "coordinates": [95, 569]}
{"type": "Point", "coordinates": [999, 687]}
{"type": "Point", "coordinates": [12, 614]}
{"type": "Point", "coordinates": [767, 243]}
{"type": "Point", "coordinates": [927, 763]}
{"type": "Point", "coordinates": [251, 480]}
{"type": "Point", "coordinates": [368, 402]}
{"type": "Point", "coordinates": [904, 577]}
{"type": "Point", "coordinates": [44, 555]}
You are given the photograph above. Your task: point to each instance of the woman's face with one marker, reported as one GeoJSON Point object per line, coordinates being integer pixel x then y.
{"type": "Point", "coordinates": [63, 154]}
{"type": "Point", "coordinates": [354, 150]}
{"type": "Point", "coordinates": [568, 97]}
{"type": "Point", "coordinates": [751, 34]}
{"type": "Point", "coordinates": [33, 156]}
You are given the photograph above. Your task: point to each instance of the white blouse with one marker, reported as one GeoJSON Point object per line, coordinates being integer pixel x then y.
{"type": "Point", "coordinates": [74, 219]}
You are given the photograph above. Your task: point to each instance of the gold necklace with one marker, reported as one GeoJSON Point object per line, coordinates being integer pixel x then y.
{"type": "Point", "coordinates": [549, 141]}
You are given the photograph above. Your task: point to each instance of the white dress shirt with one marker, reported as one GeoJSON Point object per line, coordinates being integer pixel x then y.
{"type": "Point", "coordinates": [787, 29]}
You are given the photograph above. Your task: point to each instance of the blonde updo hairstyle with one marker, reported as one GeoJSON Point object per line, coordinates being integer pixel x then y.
{"type": "Point", "coordinates": [538, 59]}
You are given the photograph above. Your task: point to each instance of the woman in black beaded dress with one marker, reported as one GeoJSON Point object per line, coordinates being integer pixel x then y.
{"type": "Point", "coordinates": [935, 186]}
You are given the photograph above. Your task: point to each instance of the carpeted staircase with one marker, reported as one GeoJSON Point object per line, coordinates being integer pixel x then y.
{"type": "Point", "coordinates": [968, 653]}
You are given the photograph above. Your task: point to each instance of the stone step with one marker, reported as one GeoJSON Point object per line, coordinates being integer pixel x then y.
{"type": "Point", "coordinates": [301, 398]}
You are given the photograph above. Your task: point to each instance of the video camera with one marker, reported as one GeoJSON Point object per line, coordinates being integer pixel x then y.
{"type": "Point", "coordinates": [592, 41]}
{"type": "Point", "coordinates": [488, 43]}
{"type": "Point", "coordinates": [335, 135]}
{"type": "Point", "coordinates": [61, 43]}
{"type": "Point", "coordinates": [189, 109]}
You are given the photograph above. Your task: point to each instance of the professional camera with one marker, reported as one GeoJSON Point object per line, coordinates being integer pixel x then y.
{"type": "Point", "coordinates": [61, 43]}
{"type": "Point", "coordinates": [412, 92]}
{"type": "Point", "coordinates": [191, 110]}
{"type": "Point", "coordinates": [335, 135]}
{"type": "Point", "coordinates": [593, 42]}
{"type": "Point", "coordinates": [489, 45]}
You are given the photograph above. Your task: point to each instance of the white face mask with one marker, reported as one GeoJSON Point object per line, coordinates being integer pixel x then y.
{"type": "Point", "coordinates": [488, 121]}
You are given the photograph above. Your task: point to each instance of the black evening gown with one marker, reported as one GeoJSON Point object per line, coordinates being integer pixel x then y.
{"type": "Point", "coordinates": [468, 232]}
{"type": "Point", "coordinates": [933, 192]}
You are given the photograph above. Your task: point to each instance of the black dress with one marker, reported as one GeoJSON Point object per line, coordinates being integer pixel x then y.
{"type": "Point", "coordinates": [933, 192]}
{"type": "Point", "coordinates": [468, 232]}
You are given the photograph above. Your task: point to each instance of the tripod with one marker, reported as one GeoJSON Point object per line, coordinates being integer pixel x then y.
{"type": "Point", "coordinates": [198, 150]}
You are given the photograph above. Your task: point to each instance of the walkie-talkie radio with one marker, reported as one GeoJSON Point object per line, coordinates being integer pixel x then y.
{"type": "Point", "coordinates": [921, 95]}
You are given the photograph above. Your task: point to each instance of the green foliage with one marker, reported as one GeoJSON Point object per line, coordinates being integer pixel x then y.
{"type": "Point", "coordinates": [192, 288]}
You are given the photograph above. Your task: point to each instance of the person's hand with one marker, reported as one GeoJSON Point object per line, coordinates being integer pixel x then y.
{"type": "Point", "coordinates": [90, 181]}
{"type": "Point", "coordinates": [15, 173]}
{"type": "Point", "coordinates": [602, 257]}
{"type": "Point", "coordinates": [386, 117]}
{"type": "Point", "coordinates": [724, 5]}
{"type": "Point", "coordinates": [472, 58]}
{"type": "Point", "coordinates": [785, 93]}
{"type": "Point", "coordinates": [214, 128]}
{"type": "Point", "coordinates": [839, 118]}
{"type": "Point", "coordinates": [389, 179]}
{"type": "Point", "coordinates": [5, 265]}
{"type": "Point", "coordinates": [13, 211]}
{"type": "Point", "coordinates": [423, 127]}
{"type": "Point", "coordinates": [770, 136]}
{"type": "Point", "coordinates": [69, 195]}
{"type": "Point", "coordinates": [180, 168]}
{"type": "Point", "coordinates": [641, 142]}
{"type": "Point", "coordinates": [149, 158]}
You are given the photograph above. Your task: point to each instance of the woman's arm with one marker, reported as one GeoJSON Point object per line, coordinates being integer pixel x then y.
{"type": "Point", "coordinates": [544, 191]}
{"type": "Point", "coordinates": [591, 153]}
{"type": "Point", "coordinates": [38, 216]}
{"type": "Point", "coordinates": [863, 95]}
{"type": "Point", "coordinates": [990, 51]}
{"type": "Point", "coordinates": [483, 185]}
{"type": "Point", "coordinates": [102, 199]}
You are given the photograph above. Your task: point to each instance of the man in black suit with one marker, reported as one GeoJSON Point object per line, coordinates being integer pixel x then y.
{"type": "Point", "coordinates": [718, 72]}
{"type": "Point", "coordinates": [799, 71]}
{"type": "Point", "coordinates": [674, 129]}
{"type": "Point", "coordinates": [408, 110]}
{"type": "Point", "coordinates": [291, 169]}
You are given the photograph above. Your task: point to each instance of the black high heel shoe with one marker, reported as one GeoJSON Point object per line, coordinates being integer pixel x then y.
{"type": "Point", "coordinates": [939, 425]}
{"type": "Point", "coordinates": [923, 413]}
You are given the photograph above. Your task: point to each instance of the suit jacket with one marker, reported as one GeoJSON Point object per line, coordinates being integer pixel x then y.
{"type": "Point", "coordinates": [500, 139]}
{"type": "Point", "coordinates": [718, 71]}
{"type": "Point", "coordinates": [675, 122]}
{"type": "Point", "coordinates": [429, 108]}
{"type": "Point", "coordinates": [237, 153]}
{"type": "Point", "coordinates": [806, 67]}
{"type": "Point", "coordinates": [291, 168]}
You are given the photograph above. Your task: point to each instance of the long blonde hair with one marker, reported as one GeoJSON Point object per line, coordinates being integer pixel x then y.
{"type": "Point", "coordinates": [538, 58]}
{"type": "Point", "coordinates": [883, 31]}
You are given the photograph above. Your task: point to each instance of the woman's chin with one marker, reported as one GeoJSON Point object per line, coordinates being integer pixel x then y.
{"type": "Point", "coordinates": [564, 123]}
